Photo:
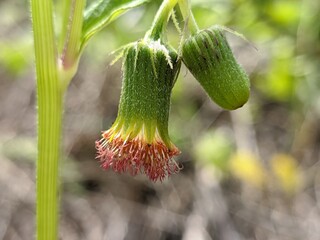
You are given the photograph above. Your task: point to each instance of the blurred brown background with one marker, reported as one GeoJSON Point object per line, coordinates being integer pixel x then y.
{"type": "Point", "coordinates": [248, 174]}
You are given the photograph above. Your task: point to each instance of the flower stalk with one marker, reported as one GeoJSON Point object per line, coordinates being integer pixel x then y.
{"type": "Point", "coordinates": [160, 21]}
{"type": "Point", "coordinates": [188, 17]}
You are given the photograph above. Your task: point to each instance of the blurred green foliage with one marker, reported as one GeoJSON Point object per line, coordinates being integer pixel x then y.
{"type": "Point", "coordinates": [15, 40]}
{"type": "Point", "coordinates": [214, 149]}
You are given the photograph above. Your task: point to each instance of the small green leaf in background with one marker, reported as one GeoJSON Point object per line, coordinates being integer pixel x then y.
{"type": "Point", "coordinates": [16, 56]}
{"type": "Point", "coordinates": [214, 149]}
{"type": "Point", "coordinates": [102, 13]}
{"type": "Point", "coordinates": [278, 82]}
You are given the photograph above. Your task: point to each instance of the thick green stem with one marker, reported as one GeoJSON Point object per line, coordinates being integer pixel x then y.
{"type": "Point", "coordinates": [49, 100]}
{"type": "Point", "coordinates": [49, 135]}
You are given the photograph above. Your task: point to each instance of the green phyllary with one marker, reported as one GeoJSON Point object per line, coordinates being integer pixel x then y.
{"type": "Point", "coordinates": [138, 141]}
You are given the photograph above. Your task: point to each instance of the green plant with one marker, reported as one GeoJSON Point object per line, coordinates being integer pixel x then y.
{"type": "Point", "coordinates": [57, 59]}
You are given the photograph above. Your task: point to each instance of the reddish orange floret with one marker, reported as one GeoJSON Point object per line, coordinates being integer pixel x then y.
{"type": "Point", "coordinates": [136, 156]}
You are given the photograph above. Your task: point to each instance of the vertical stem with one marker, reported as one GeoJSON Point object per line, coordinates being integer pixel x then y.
{"type": "Point", "coordinates": [49, 134]}
{"type": "Point", "coordinates": [49, 100]}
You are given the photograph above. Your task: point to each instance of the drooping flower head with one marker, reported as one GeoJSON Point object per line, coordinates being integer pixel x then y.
{"type": "Point", "coordinates": [138, 141]}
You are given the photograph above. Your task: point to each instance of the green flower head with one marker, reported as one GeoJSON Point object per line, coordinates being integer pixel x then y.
{"type": "Point", "coordinates": [138, 141]}
{"type": "Point", "coordinates": [209, 58]}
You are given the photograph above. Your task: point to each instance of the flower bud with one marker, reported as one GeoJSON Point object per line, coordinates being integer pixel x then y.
{"type": "Point", "coordinates": [138, 141]}
{"type": "Point", "coordinates": [209, 58]}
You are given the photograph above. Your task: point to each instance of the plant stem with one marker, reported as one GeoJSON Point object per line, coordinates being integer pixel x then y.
{"type": "Point", "coordinates": [63, 30]}
{"type": "Point", "coordinates": [188, 16]}
{"type": "Point", "coordinates": [161, 19]}
{"type": "Point", "coordinates": [70, 50]}
{"type": "Point", "coordinates": [49, 135]}
{"type": "Point", "coordinates": [49, 100]}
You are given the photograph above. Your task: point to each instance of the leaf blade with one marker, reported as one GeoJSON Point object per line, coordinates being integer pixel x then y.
{"type": "Point", "coordinates": [102, 13]}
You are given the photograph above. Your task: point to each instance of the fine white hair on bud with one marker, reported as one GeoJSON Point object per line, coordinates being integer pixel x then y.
{"type": "Point", "coordinates": [209, 58]}
{"type": "Point", "coordinates": [138, 141]}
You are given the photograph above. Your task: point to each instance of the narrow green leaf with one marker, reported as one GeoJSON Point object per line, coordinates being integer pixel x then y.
{"type": "Point", "coordinates": [102, 13]}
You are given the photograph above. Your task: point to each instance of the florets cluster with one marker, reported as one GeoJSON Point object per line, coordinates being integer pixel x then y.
{"type": "Point", "coordinates": [136, 155]}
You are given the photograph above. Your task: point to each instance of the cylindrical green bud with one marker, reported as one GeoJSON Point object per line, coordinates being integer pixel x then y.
{"type": "Point", "coordinates": [149, 73]}
{"type": "Point", "coordinates": [139, 140]}
{"type": "Point", "coordinates": [209, 58]}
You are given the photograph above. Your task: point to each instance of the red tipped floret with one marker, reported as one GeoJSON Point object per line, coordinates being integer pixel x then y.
{"type": "Point", "coordinates": [137, 156]}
